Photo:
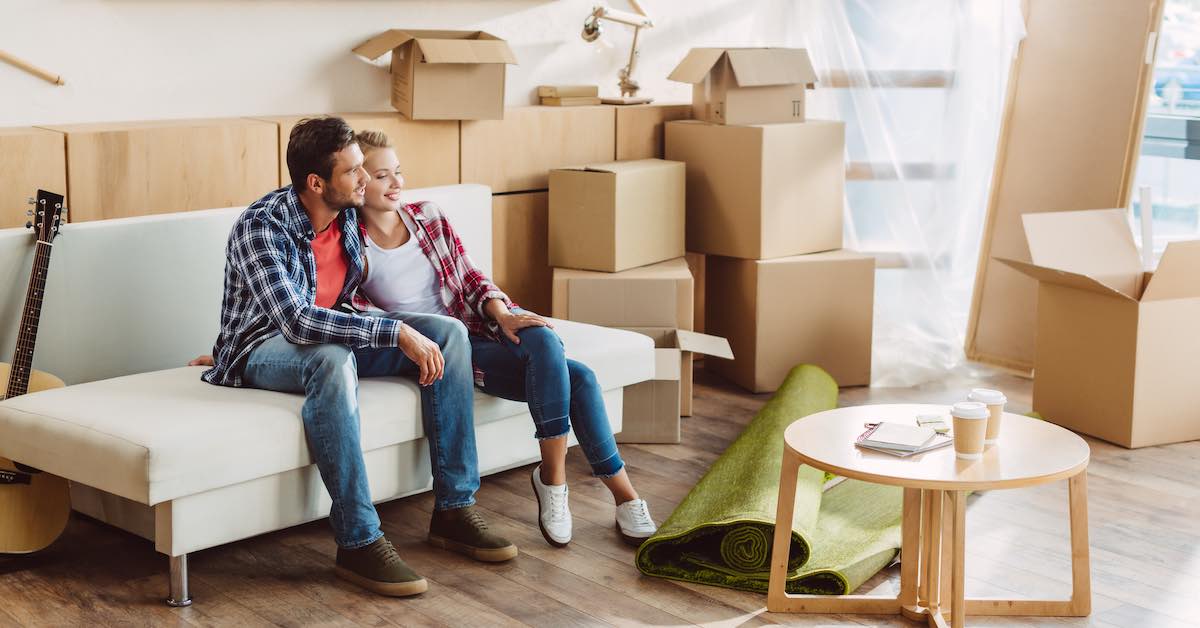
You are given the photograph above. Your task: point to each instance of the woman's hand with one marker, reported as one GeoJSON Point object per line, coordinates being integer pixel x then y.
{"type": "Point", "coordinates": [512, 322]}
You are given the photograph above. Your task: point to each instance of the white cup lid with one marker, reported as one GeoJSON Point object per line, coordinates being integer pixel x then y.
{"type": "Point", "coordinates": [988, 396]}
{"type": "Point", "coordinates": [969, 410]}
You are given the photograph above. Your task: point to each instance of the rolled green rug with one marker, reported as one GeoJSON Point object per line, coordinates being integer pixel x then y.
{"type": "Point", "coordinates": [721, 533]}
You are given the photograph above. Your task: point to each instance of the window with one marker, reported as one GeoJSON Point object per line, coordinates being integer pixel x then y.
{"type": "Point", "coordinates": [1170, 160]}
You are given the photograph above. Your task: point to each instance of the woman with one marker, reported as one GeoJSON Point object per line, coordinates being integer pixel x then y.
{"type": "Point", "coordinates": [416, 263]}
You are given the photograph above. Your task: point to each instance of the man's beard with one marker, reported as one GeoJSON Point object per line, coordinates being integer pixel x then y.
{"type": "Point", "coordinates": [338, 200]}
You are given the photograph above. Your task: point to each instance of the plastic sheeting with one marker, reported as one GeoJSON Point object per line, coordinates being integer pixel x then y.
{"type": "Point", "coordinates": [930, 151]}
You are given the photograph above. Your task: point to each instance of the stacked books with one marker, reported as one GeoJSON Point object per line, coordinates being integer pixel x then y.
{"type": "Point", "coordinates": [899, 439]}
{"type": "Point", "coordinates": [569, 95]}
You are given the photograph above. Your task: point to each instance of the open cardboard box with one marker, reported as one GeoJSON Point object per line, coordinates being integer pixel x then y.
{"type": "Point", "coordinates": [747, 85]}
{"type": "Point", "coordinates": [652, 409]}
{"type": "Point", "coordinates": [659, 296]}
{"type": "Point", "coordinates": [1117, 348]}
{"type": "Point", "coordinates": [444, 75]}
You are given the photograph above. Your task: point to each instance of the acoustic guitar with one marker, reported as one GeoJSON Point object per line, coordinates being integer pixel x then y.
{"type": "Point", "coordinates": [34, 506]}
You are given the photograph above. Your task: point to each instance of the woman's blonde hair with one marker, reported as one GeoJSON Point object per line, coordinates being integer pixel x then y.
{"type": "Point", "coordinates": [372, 139]}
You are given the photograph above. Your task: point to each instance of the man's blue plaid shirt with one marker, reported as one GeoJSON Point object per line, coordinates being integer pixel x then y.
{"type": "Point", "coordinates": [271, 287]}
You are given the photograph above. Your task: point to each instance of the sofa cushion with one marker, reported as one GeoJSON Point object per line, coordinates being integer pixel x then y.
{"type": "Point", "coordinates": [155, 436]}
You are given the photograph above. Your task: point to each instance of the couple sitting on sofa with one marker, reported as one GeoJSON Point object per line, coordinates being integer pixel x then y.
{"type": "Point", "coordinates": [300, 268]}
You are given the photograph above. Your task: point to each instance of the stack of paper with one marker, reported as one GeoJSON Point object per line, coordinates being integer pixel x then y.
{"type": "Point", "coordinates": [900, 439]}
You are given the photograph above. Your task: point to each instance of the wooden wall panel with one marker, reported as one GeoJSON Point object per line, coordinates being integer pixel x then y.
{"type": "Point", "coordinates": [520, 234]}
{"type": "Point", "coordinates": [428, 149]}
{"type": "Point", "coordinates": [137, 168]}
{"type": "Point", "coordinates": [29, 159]}
{"type": "Point", "coordinates": [1069, 141]}
{"type": "Point", "coordinates": [516, 153]}
{"type": "Point", "coordinates": [640, 129]}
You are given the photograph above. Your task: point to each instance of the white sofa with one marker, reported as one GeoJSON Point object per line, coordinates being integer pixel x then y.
{"type": "Point", "coordinates": [152, 449]}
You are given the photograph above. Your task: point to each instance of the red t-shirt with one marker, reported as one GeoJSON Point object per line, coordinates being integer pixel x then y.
{"type": "Point", "coordinates": [331, 264]}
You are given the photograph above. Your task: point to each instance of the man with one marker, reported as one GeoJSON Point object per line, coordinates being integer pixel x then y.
{"type": "Point", "coordinates": [293, 258]}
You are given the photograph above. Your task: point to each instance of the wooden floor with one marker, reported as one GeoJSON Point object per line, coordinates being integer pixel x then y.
{"type": "Point", "coordinates": [1145, 532]}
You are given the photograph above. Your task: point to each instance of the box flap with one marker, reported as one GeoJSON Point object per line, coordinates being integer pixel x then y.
{"type": "Point", "coordinates": [771, 66]}
{"type": "Point", "coordinates": [1096, 243]}
{"type": "Point", "coordinates": [386, 41]}
{"type": "Point", "coordinates": [616, 302]}
{"type": "Point", "coordinates": [664, 337]}
{"type": "Point", "coordinates": [617, 167]}
{"type": "Point", "coordinates": [1063, 278]}
{"type": "Point", "coordinates": [704, 343]}
{"type": "Point", "coordinates": [695, 65]}
{"type": "Point", "coordinates": [435, 50]}
{"type": "Point", "coordinates": [441, 46]}
{"type": "Point", "coordinates": [1178, 273]}
{"type": "Point", "coordinates": [667, 365]}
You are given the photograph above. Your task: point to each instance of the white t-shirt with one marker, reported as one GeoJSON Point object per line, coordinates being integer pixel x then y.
{"type": "Point", "coordinates": [402, 279]}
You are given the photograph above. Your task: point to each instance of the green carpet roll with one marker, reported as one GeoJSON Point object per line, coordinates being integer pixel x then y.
{"type": "Point", "coordinates": [721, 533]}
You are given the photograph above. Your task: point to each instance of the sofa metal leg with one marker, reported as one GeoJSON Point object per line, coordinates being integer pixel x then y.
{"type": "Point", "coordinates": [180, 596]}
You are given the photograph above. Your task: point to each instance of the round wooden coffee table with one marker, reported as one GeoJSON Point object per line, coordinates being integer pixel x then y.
{"type": "Point", "coordinates": [1030, 452]}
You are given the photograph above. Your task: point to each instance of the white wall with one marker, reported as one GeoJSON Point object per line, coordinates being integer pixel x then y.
{"type": "Point", "coordinates": [161, 59]}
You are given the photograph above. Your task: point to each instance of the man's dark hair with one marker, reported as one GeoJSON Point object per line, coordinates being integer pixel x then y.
{"type": "Point", "coordinates": [312, 145]}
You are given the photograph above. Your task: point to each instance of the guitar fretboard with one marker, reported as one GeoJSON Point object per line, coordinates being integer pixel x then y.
{"type": "Point", "coordinates": [22, 363]}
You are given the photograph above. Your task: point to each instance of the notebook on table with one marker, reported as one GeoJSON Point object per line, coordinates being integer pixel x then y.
{"type": "Point", "coordinates": [900, 439]}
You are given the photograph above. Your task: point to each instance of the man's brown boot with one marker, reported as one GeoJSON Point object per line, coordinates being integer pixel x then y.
{"type": "Point", "coordinates": [463, 530]}
{"type": "Point", "coordinates": [378, 568]}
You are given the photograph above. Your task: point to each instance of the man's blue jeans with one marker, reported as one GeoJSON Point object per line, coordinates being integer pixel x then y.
{"type": "Point", "coordinates": [561, 393]}
{"type": "Point", "coordinates": [328, 375]}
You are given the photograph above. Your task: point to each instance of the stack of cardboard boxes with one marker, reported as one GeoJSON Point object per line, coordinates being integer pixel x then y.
{"type": "Point", "coordinates": [617, 245]}
{"type": "Point", "coordinates": [765, 191]}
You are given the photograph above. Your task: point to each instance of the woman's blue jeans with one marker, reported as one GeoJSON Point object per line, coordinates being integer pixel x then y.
{"type": "Point", "coordinates": [562, 394]}
{"type": "Point", "coordinates": [328, 375]}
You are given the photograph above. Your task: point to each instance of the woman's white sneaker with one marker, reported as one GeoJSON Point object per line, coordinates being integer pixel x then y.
{"type": "Point", "coordinates": [634, 522]}
{"type": "Point", "coordinates": [554, 514]}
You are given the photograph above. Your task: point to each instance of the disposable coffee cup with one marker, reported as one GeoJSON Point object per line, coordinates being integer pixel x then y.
{"type": "Point", "coordinates": [994, 400]}
{"type": "Point", "coordinates": [970, 428]}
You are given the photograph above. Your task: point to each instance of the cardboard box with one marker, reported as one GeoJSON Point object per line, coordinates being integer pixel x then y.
{"type": "Point", "coordinates": [747, 85]}
{"type": "Point", "coordinates": [695, 262]}
{"type": "Point", "coordinates": [807, 309]}
{"type": "Point", "coordinates": [519, 260]}
{"type": "Point", "coordinates": [427, 149]}
{"type": "Point", "coordinates": [616, 216]}
{"type": "Point", "coordinates": [652, 409]}
{"type": "Point", "coordinates": [444, 75]}
{"type": "Point", "coordinates": [29, 159]}
{"type": "Point", "coordinates": [640, 129]}
{"type": "Point", "coordinates": [659, 295]}
{"type": "Point", "coordinates": [517, 153]}
{"type": "Point", "coordinates": [1117, 349]}
{"type": "Point", "coordinates": [762, 191]}
{"type": "Point", "coordinates": [121, 169]}
{"type": "Point", "coordinates": [656, 296]}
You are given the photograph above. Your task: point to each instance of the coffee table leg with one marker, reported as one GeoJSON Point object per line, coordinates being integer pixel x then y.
{"type": "Point", "coordinates": [1081, 571]}
{"type": "Point", "coordinates": [784, 512]}
{"type": "Point", "coordinates": [910, 546]}
{"type": "Point", "coordinates": [923, 549]}
{"type": "Point", "coordinates": [958, 595]}
{"type": "Point", "coordinates": [933, 549]}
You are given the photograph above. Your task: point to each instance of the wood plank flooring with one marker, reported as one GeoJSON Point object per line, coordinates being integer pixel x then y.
{"type": "Point", "coordinates": [1145, 543]}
